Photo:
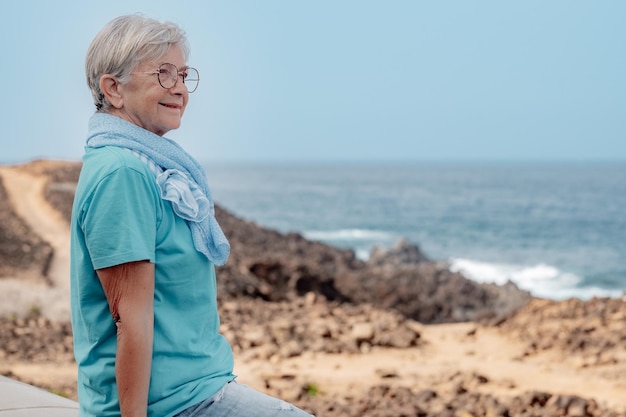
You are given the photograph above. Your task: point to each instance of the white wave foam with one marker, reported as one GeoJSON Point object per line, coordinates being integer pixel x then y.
{"type": "Point", "coordinates": [362, 253]}
{"type": "Point", "coordinates": [360, 240]}
{"type": "Point", "coordinates": [540, 280]}
{"type": "Point", "coordinates": [347, 234]}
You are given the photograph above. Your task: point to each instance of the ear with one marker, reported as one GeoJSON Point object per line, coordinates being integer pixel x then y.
{"type": "Point", "coordinates": [111, 88]}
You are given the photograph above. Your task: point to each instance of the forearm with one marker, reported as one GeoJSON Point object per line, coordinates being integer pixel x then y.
{"type": "Point", "coordinates": [133, 365]}
{"type": "Point", "coordinates": [129, 289]}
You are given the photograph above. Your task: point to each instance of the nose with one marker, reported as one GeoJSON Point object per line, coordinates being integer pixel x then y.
{"type": "Point", "coordinates": [179, 88]}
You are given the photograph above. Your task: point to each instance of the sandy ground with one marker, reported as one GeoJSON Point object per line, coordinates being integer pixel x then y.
{"type": "Point", "coordinates": [449, 350]}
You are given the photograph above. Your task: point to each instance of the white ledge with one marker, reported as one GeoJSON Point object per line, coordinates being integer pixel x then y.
{"type": "Point", "coordinates": [22, 400]}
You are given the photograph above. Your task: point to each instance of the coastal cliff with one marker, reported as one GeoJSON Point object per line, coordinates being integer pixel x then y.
{"type": "Point", "coordinates": [269, 265]}
{"type": "Point", "coordinates": [306, 320]}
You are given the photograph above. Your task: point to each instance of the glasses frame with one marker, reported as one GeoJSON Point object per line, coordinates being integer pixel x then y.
{"type": "Point", "coordinates": [157, 72]}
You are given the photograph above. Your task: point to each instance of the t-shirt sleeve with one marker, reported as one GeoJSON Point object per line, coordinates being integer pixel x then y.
{"type": "Point", "coordinates": [119, 223]}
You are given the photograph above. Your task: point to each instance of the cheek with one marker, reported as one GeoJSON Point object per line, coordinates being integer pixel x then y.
{"type": "Point", "coordinates": [184, 108]}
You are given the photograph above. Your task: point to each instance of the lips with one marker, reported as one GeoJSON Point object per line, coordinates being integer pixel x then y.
{"type": "Point", "coordinates": [171, 106]}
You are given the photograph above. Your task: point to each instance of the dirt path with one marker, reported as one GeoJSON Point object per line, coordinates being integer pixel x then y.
{"type": "Point", "coordinates": [26, 195]}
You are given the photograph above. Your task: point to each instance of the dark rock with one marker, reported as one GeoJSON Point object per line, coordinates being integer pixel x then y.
{"type": "Point", "coordinates": [594, 329]}
{"type": "Point", "coordinates": [535, 398]}
{"type": "Point", "coordinates": [401, 253]}
{"type": "Point", "coordinates": [569, 405]}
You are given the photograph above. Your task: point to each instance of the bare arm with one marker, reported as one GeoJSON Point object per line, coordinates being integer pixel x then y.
{"type": "Point", "coordinates": [129, 289]}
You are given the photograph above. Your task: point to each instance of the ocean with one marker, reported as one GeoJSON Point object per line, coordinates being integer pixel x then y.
{"type": "Point", "coordinates": [557, 230]}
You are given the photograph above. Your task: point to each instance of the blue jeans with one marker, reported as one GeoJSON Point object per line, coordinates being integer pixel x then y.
{"type": "Point", "coordinates": [236, 399]}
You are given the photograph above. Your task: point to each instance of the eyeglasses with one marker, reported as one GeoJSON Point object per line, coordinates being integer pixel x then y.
{"type": "Point", "coordinates": [168, 76]}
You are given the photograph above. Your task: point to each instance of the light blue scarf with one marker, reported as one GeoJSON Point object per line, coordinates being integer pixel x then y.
{"type": "Point", "coordinates": [179, 176]}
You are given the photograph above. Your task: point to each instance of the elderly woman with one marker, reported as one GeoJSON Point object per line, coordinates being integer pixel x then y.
{"type": "Point", "coordinates": [144, 242]}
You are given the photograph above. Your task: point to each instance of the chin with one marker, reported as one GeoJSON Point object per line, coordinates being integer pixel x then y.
{"type": "Point", "coordinates": [165, 129]}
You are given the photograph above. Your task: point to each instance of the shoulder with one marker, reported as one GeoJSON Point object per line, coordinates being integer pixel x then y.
{"type": "Point", "coordinates": [113, 166]}
{"type": "Point", "coordinates": [108, 159]}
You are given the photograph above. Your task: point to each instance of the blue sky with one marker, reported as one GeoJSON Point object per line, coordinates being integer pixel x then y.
{"type": "Point", "coordinates": [352, 80]}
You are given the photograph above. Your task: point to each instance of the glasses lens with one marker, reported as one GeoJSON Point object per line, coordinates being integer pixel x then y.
{"type": "Point", "coordinates": [167, 75]}
{"type": "Point", "coordinates": [191, 79]}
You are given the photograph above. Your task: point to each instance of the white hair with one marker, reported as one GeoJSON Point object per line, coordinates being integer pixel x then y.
{"type": "Point", "coordinates": [123, 44]}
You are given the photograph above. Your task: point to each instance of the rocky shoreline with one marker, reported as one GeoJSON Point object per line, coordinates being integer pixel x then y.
{"type": "Point", "coordinates": [286, 300]}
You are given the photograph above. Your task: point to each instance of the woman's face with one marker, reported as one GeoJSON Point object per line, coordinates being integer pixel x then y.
{"type": "Point", "coordinates": [147, 104]}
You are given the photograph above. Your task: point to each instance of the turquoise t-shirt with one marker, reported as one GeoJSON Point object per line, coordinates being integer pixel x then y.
{"type": "Point", "coordinates": [118, 217]}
